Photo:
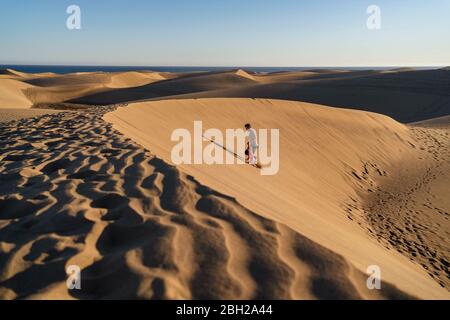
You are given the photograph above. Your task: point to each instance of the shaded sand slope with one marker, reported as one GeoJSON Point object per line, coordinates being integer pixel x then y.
{"type": "Point", "coordinates": [329, 157]}
{"type": "Point", "coordinates": [294, 76]}
{"type": "Point", "coordinates": [75, 191]}
{"type": "Point", "coordinates": [197, 82]}
{"type": "Point", "coordinates": [56, 94]}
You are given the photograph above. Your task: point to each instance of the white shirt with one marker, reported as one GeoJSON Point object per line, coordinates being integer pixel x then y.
{"type": "Point", "coordinates": [252, 137]}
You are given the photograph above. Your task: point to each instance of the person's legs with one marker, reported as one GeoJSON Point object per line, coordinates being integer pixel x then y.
{"type": "Point", "coordinates": [252, 154]}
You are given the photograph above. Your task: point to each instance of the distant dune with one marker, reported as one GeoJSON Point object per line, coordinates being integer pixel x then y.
{"type": "Point", "coordinates": [198, 82]}
{"type": "Point", "coordinates": [24, 75]}
{"type": "Point", "coordinates": [134, 79]}
{"type": "Point", "coordinates": [404, 94]}
{"type": "Point", "coordinates": [440, 122]}
{"type": "Point", "coordinates": [12, 94]}
{"type": "Point", "coordinates": [33, 89]}
{"type": "Point", "coordinates": [111, 80]}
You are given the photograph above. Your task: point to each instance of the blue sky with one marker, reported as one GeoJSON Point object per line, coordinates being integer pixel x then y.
{"type": "Point", "coordinates": [226, 33]}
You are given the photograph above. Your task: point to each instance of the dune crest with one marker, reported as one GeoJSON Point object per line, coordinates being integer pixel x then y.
{"type": "Point", "coordinates": [245, 74]}
{"type": "Point", "coordinates": [134, 79]}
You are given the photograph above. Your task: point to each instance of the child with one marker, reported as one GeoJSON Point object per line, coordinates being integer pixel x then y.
{"type": "Point", "coordinates": [252, 144]}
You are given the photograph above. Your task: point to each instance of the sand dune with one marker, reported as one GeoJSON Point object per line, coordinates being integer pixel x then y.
{"type": "Point", "coordinates": [55, 94]}
{"type": "Point", "coordinates": [25, 90]}
{"type": "Point", "coordinates": [72, 79]}
{"type": "Point", "coordinates": [296, 76]}
{"type": "Point", "coordinates": [110, 80]}
{"type": "Point", "coordinates": [440, 122]}
{"type": "Point", "coordinates": [404, 94]}
{"type": "Point", "coordinates": [12, 94]}
{"type": "Point", "coordinates": [140, 228]}
{"type": "Point", "coordinates": [23, 75]}
{"type": "Point", "coordinates": [134, 79]}
{"type": "Point", "coordinates": [331, 160]}
{"type": "Point", "coordinates": [14, 73]}
{"type": "Point", "coordinates": [197, 82]}
{"type": "Point", "coordinates": [7, 74]}
{"type": "Point", "coordinates": [200, 83]}
{"type": "Point", "coordinates": [283, 76]}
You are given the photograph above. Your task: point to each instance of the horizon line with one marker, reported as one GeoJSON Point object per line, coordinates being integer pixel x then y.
{"type": "Point", "coordinates": [224, 66]}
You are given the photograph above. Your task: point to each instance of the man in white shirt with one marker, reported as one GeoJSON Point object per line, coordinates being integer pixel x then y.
{"type": "Point", "coordinates": [252, 144]}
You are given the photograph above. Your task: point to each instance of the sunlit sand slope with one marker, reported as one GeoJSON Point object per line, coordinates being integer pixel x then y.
{"type": "Point", "coordinates": [330, 159]}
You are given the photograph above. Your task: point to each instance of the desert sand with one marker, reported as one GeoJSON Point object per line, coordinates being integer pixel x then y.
{"type": "Point", "coordinates": [95, 186]}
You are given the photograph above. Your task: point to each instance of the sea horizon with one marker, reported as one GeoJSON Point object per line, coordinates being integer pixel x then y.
{"type": "Point", "coordinates": [64, 69]}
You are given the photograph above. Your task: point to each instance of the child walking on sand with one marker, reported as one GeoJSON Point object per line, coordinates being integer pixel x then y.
{"type": "Point", "coordinates": [252, 144]}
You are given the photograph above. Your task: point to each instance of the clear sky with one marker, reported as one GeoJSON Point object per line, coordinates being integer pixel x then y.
{"type": "Point", "coordinates": [226, 33]}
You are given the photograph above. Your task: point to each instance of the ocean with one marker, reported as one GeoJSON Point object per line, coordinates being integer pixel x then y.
{"type": "Point", "coordinates": [62, 69]}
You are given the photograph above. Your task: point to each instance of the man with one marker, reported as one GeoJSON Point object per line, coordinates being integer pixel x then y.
{"type": "Point", "coordinates": [252, 144]}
